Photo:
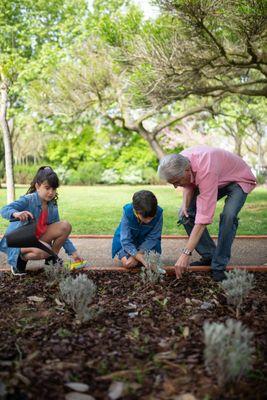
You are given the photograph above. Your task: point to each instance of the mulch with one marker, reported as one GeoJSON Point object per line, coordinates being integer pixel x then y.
{"type": "Point", "coordinates": [149, 337]}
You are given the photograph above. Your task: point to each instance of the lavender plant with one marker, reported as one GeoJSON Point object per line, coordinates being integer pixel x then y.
{"type": "Point", "coordinates": [78, 293]}
{"type": "Point", "coordinates": [55, 273]}
{"type": "Point", "coordinates": [153, 271]}
{"type": "Point", "coordinates": [237, 286]}
{"type": "Point", "coordinates": [228, 350]}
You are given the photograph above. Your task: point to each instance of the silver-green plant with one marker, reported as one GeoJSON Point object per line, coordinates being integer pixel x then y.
{"type": "Point", "coordinates": [78, 293]}
{"type": "Point", "coordinates": [228, 350]}
{"type": "Point", "coordinates": [55, 273]}
{"type": "Point", "coordinates": [237, 285]}
{"type": "Point", "coordinates": [153, 271]}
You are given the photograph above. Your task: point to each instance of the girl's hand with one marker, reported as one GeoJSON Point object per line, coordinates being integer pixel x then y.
{"type": "Point", "coordinates": [23, 215]}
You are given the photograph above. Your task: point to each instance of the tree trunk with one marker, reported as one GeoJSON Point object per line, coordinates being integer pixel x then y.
{"type": "Point", "coordinates": [153, 143]}
{"type": "Point", "coordinates": [238, 144]}
{"type": "Point", "coordinates": [7, 140]}
{"type": "Point", "coordinates": [155, 146]}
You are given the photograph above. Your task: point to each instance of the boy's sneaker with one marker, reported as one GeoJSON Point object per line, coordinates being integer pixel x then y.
{"type": "Point", "coordinates": [53, 260]}
{"type": "Point", "coordinates": [20, 268]}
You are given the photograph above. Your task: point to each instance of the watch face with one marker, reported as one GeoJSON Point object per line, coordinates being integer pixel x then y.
{"type": "Point", "coordinates": [187, 252]}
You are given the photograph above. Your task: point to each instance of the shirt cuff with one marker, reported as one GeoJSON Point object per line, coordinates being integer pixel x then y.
{"type": "Point", "coordinates": [203, 219]}
{"type": "Point", "coordinates": [132, 252]}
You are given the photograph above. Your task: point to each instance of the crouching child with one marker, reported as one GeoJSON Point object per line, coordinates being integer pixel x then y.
{"type": "Point", "coordinates": [139, 231]}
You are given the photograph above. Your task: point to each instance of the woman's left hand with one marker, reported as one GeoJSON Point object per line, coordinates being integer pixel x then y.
{"type": "Point", "coordinates": [181, 265]}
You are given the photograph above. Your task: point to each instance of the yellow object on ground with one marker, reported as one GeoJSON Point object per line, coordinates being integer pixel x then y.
{"type": "Point", "coordinates": [78, 265]}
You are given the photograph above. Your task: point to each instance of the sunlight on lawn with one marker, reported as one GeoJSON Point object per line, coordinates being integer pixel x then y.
{"type": "Point", "coordinates": [98, 209]}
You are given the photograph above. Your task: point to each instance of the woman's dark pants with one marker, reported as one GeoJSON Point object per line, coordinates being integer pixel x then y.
{"type": "Point", "coordinates": [220, 254]}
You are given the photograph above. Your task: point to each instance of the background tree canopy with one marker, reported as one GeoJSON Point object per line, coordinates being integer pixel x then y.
{"type": "Point", "coordinates": [101, 92]}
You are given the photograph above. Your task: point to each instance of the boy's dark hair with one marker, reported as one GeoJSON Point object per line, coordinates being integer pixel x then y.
{"type": "Point", "coordinates": [145, 203]}
{"type": "Point", "coordinates": [45, 174]}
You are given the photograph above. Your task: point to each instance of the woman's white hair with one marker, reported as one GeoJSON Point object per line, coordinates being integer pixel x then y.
{"type": "Point", "coordinates": [172, 166]}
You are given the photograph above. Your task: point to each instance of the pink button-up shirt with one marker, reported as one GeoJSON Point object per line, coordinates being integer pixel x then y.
{"type": "Point", "coordinates": [214, 168]}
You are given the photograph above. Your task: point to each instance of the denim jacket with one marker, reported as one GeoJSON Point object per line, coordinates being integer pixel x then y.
{"type": "Point", "coordinates": [133, 236]}
{"type": "Point", "coordinates": [32, 203]}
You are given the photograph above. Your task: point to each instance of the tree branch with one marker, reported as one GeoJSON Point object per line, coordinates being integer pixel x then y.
{"type": "Point", "coordinates": [176, 118]}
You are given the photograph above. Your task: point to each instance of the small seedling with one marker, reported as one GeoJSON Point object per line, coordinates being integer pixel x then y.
{"type": "Point", "coordinates": [228, 350]}
{"type": "Point", "coordinates": [153, 271]}
{"type": "Point", "coordinates": [78, 293]}
{"type": "Point", "coordinates": [237, 286]}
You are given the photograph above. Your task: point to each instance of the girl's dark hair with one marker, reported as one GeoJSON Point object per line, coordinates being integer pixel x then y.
{"type": "Point", "coordinates": [145, 203]}
{"type": "Point", "coordinates": [45, 174]}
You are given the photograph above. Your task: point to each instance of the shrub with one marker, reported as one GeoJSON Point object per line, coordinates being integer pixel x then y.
{"type": "Point", "coordinates": [24, 174]}
{"type": "Point", "coordinates": [62, 173]}
{"type": "Point", "coordinates": [110, 176]}
{"type": "Point", "coordinates": [150, 176]}
{"type": "Point", "coordinates": [78, 293]}
{"type": "Point", "coordinates": [261, 179]}
{"type": "Point", "coordinates": [132, 176]}
{"type": "Point", "coordinates": [237, 286]}
{"type": "Point", "coordinates": [86, 174]}
{"type": "Point", "coordinates": [55, 273]}
{"type": "Point", "coordinates": [153, 272]}
{"type": "Point", "coordinates": [228, 350]}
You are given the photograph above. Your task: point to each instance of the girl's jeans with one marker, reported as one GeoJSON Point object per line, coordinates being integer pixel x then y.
{"type": "Point", "coordinates": [220, 254]}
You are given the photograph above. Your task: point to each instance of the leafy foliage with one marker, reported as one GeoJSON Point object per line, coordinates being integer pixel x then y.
{"type": "Point", "coordinates": [237, 286]}
{"type": "Point", "coordinates": [153, 272]}
{"type": "Point", "coordinates": [228, 350]}
{"type": "Point", "coordinates": [78, 293]}
{"type": "Point", "coordinates": [56, 273]}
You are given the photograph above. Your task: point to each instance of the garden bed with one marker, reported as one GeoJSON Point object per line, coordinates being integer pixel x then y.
{"type": "Point", "coordinates": [149, 337]}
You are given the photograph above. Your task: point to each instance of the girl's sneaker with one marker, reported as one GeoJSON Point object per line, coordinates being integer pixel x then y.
{"type": "Point", "coordinates": [78, 265]}
{"type": "Point", "coordinates": [20, 267]}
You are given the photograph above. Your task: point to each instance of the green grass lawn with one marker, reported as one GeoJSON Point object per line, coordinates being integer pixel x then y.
{"type": "Point", "coordinates": [98, 209]}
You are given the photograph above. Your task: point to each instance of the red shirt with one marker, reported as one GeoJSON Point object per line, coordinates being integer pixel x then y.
{"type": "Point", "coordinates": [41, 226]}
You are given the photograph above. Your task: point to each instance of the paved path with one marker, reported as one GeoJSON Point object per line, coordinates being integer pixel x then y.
{"type": "Point", "coordinates": [249, 251]}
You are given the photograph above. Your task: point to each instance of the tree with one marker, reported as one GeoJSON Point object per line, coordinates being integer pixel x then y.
{"type": "Point", "coordinates": [27, 26]}
{"type": "Point", "coordinates": [93, 82]}
{"type": "Point", "coordinates": [204, 48]}
{"type": "Point", "coordinates": [243, 120]}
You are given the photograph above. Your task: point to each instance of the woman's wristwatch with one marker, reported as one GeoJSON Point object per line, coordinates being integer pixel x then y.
{"type": "Point", "coordinates": [187, 251]}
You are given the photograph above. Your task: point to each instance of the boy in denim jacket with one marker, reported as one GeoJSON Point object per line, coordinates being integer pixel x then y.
{"type": "Point", "coordinates": [139, 230]}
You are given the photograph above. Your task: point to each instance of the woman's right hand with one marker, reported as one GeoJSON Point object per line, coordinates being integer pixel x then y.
{"type": "Point", "coordinates": [22, 215]}
{"type": "Point", "coordinates": [183, 212]}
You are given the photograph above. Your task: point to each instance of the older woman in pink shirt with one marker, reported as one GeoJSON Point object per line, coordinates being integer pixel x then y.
{"type": "Point", "coordinates": [207, 174]}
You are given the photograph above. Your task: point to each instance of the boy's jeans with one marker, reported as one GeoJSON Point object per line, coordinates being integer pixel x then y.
{"type": "Point", "coordinates": [206, 247]}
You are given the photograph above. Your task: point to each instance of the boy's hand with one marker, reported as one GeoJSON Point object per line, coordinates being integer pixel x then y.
{"type": "Point", "coordinates": [140, 257]}
{"type": "Point", "coordinates": [23, 215]}
{"type": "Point", "coordinates": [131, 262]}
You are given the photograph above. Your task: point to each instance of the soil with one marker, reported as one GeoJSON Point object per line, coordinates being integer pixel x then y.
{"type": "Point", "coordinates": [150, 337]}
